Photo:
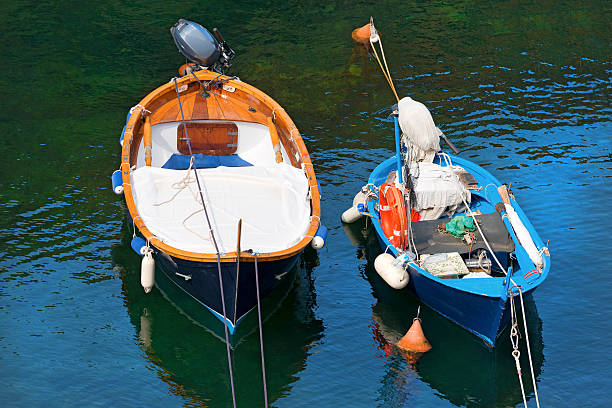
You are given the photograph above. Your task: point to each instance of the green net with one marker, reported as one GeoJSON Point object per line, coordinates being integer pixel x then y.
{"type": "Point", "coordinates": [459, 225]}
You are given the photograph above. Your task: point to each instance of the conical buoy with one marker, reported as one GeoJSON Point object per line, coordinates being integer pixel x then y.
{"type": "Point", "coordinates": [414, 341]}
{"type": "Point", "coordinates": [186, 69]}
{"type": "Point", "coordinates": [361, 34]}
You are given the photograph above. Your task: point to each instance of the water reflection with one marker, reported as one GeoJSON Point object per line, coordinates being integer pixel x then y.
{"type": "Point", "coordinates": [459, 367]}
{"type": "Point", "coordinates": [192, 358]}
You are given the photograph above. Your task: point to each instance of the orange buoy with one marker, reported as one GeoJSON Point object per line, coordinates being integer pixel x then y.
{"type": "Point", "coordinates": [186, 69]}
{"type": "Point", "coordinates": [414, 341]}
{"type": "Point", "coordinates": [361, 34]}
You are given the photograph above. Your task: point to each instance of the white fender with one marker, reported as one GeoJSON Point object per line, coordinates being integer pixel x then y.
{"type": "Point", "coordinates": [147, 272]}
{"type": "Point", "coordinates": [351, 215]}
{"type": "Point", "coordinates": [317, 243]}
{"type": "Point", "coordinates": [392, 270]}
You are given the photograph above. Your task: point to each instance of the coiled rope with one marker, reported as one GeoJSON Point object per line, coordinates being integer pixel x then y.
{"type": "Point", "coordinates": [180, 185]}
{"type": "Point", "coordinates": [212, 235]}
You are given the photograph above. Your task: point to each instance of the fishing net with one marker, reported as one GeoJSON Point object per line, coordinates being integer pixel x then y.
{"type": "Point", "coordinates": [459, 225]}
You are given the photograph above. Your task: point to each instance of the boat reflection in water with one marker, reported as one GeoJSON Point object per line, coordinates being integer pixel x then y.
{"type": "Point", "coordinates": [186, 347]}
{"type": "Point", "coordinates": [459, 367]}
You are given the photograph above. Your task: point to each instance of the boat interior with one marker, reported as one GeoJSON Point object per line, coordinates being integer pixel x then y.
{"type": "Point", "coordinates": [241, 175]}
{"type": "Point", "coordinates": [455, 257]}
{"type": "Point", "coordinates": [450, 201]}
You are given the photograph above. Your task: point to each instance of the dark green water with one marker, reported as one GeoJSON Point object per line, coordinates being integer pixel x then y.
{"type": "Point", "coordinates": [523, 89]}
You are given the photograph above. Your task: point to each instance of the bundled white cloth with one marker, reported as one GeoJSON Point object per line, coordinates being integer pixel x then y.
{"type": "Point", "coordinates": [437, 190]}
{"type": "Point", "coordinates": [420, 134]}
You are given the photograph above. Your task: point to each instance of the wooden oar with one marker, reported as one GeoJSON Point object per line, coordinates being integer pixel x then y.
{"type": "Point", "coordinates": [449, 143]}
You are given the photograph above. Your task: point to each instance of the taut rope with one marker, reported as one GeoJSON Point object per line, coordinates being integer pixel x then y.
{"type": "Point", "coordinates": [374, 37]}
{"type": "Point", "coordinates": [263, 363]}
{"type": "Point", "coordinates": [514, 338]}
{"type": "Point", "coordinates": [212, 235]}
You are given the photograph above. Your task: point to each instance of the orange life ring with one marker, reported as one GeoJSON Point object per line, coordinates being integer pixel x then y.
{"type": "Point", "coordinates": [393, 215]}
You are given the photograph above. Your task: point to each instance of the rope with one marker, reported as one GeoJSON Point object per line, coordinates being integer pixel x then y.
{"type": "Point", "coordinates": [180, 186]}
{"type": "Point", "coordinates": [263, 363]}
{"type": "Point", "coordinates": [485, 190]}
{"type": "Point", "coordinates": [195, 170]}
{"type": "Point", "coordinates": [448, 162]}
{"type": "Point", "coordinates": [374, 37]}
{"type": "Point", "coordinates": [535, 388]}
{"type": "Point", "coordinates": [144, 110]}
{"type": "Point", "coordinates": [514, 339]}
{"type": "Point", "coordinates": [204, 93]}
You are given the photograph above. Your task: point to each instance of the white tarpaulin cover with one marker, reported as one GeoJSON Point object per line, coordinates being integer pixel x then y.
{"type": "Point", "coordinates": [421, 135]}
{"type": "Point", "coordinates": [272, 202]}
{"type": "Point", "coordinates": [437, 190]}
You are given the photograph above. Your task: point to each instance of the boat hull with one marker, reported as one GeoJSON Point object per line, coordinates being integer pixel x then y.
{"type": "Point", "coordinates": [484, 316]}
{"type": "Point", "coordinates": [269, 139]}
{"type": "Point", "coordinates": [482, 309]}
{"type": "Point", "coordinates": [200, 280]}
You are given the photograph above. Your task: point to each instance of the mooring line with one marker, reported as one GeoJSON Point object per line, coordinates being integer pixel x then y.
{"type": "Point", "coordinates": [263, 363]}
{"type": "Point", "coordinates": [195, 170]}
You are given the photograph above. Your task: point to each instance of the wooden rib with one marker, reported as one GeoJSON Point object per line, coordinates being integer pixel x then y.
{"type": "Point", "coordinates": [148, 140]}
{"type": "Point", "coordinates": [275, 140]}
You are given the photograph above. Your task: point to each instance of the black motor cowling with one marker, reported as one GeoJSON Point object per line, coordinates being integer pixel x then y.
{"type": "Point", "coordinates": [198, 45]}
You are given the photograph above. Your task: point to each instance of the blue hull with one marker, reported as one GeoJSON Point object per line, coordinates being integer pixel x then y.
{"type": "Point", "coordinates": [480, 306]}
{"type": "Point", "coordinates": [239, 294]}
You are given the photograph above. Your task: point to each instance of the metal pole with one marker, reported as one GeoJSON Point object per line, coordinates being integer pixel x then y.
{"type": "Point", "coordinates": [398, 147]}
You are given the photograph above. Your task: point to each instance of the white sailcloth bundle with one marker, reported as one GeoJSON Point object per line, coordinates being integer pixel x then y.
{"type": "Point", "coordinates": [523, 236]}
{"type": "Point", "coordinates": [420, 134]}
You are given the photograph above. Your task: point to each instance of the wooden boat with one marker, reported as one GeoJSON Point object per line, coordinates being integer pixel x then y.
{"type": "Point", "coordinates": [202, 155]}
{"type": "Point", "coordinates": [179, 363]}
{"type": "Point", "coordinates": [470, 279]}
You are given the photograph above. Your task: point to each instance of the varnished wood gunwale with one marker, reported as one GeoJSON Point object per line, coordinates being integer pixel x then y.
{"type": "Point", "coordinates": [243, 95]}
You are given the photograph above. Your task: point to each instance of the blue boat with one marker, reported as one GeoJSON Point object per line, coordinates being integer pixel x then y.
{"type": "Point", "coordinates": [468, 277]}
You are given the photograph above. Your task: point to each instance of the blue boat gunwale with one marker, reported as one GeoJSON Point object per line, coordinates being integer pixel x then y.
{"type": "Point", "coordinates": [493, 290]}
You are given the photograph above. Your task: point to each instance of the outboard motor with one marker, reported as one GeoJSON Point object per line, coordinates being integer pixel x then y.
{"type": "Point", "coordinates": [200, 47]}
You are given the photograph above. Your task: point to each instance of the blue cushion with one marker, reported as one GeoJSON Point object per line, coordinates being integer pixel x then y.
{"type": "Point", "coordinates": [204, 161]}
